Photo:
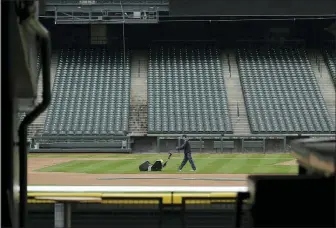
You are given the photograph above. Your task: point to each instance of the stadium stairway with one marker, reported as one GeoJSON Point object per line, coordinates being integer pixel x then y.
{"type": "Point", "coordinates": [138, 107]}
{"type": "Point", "coordinates": [240, 123]}
{"type": "Point", "coordinates": [324, 80]}
{"type": "Point", "coordinates": [38, 124]}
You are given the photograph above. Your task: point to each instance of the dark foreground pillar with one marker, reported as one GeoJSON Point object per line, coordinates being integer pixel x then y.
{"type": "Point", "coordinates": [292, 201]}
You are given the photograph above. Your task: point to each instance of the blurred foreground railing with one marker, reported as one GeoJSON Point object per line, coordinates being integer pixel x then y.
{"type": "Point", "coordinates": [196, 207]}
{"type": "Point", "coordinates": [107, 2]}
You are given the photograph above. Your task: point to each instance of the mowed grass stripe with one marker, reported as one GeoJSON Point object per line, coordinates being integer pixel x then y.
{"type": "Point", "coordinates": [228, 166]}
{"type": "Point", "coordinates": [202, 164]}
{"type": "Point", "coordinates": [252, 163]}
{"type": "Point", "coordinates": [231, 165]}
{"type": "Point", "coordinates": [120, 166]}
{"type": "Point", "coordinates": [274, 170]}
{"type": "Point", "coordinates": [85, 167]}
{"type": "Point", "coordinates": [62, 167]}
{"type": "Point", "coordinates": [240, 165]}
{"type": "Point", "coordinates": [219, 166]}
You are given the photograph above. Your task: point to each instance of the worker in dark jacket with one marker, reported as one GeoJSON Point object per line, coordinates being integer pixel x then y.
{"type": "Point", "coordinates": [187, 154]}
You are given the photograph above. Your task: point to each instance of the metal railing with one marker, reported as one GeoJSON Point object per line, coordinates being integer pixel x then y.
{"type": "Point", "coordinates": [107, 2]}
{"type": "Point", "coordinates": [217, 211]}
{"type": "Point", "coordinates": [109, 18]}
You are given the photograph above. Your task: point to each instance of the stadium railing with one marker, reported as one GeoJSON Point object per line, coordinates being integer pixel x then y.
{"type": "Point", "coordinates": [81, 143]}
{"type": "Point", "coordinates": [107, 2]}
{"type": "Point", "coordinates": [217, 204]}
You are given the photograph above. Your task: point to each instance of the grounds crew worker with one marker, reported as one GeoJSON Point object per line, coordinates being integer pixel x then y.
{"type": "Point", "coordinates": [187, 154]}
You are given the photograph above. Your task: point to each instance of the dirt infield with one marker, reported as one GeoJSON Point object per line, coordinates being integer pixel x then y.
{"type": "Point", "coordinates": [50, 178]}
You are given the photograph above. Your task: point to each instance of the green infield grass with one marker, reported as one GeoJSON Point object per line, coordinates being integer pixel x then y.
{"type": "Point", "coordinates": [206, 163]}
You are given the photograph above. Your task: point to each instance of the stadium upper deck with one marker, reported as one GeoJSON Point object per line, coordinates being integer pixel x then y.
{"type": "Point", "coordinates": [187, 92]}
{"type": "Point", "coordinates": [195, 78]}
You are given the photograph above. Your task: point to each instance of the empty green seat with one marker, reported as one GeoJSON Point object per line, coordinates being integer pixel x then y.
{"type": "Point", "coordinates": [281, 92]}
{"type": "Point", "coordinates": [186, 91]}
{"type": "Point", "coordinates": [91, 93]}
{"type": "Point", "coordinates": [330, 59]}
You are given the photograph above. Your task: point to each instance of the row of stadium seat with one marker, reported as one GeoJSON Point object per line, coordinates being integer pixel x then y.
{"type": "Point", "coordinates": [179, 82]}
{"type": "Point", "coordinates": [330, 59]}
{"type": "Point", "coordinates": [91, 93]}
{"type": "Point", "coordinates": [186, 92]}
{"type": "Point", "coordinates": [281, 92]}
{"type": "Point", "coordinates": [38, 65]}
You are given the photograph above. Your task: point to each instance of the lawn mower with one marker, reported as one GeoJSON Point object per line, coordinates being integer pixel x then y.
{"type": "Point", "coordinates": [157, 166]}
